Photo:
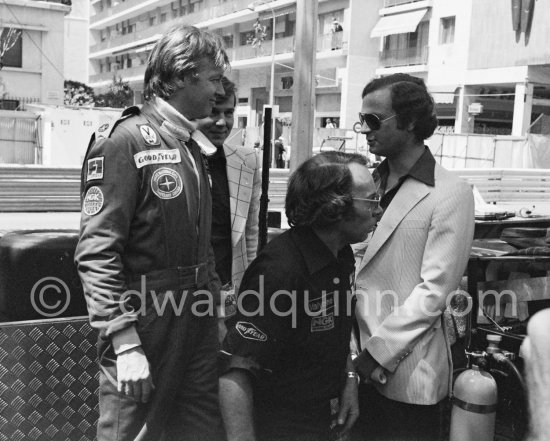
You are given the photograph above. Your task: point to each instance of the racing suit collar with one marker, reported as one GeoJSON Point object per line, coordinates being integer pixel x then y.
{"type": "Point", "coordinates": [180, 127]}
{"type": "Point", "coordinates": [177, 124]}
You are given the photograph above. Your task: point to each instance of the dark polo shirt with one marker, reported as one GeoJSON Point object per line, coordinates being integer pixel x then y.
{"type": "Point", "coordinates": [299, 358]}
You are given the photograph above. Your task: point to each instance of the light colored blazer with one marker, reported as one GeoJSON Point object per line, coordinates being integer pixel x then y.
{"type": "Point", "coordinates": [414, 260]}
{"type": "Point", "coordinates": [245, 182]}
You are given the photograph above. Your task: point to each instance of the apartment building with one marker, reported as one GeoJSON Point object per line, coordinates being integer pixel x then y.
{"type": "Point", "coordinates": [33, 67]}
{"type": "Point", "coordinates": [123, 32]}
{"type": "Point", "coordinates": [486, 62]}
{"type": "Point", "coordinates": [488, 68]}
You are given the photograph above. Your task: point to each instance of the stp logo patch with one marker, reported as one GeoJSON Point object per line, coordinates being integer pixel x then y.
{"type": "Point", "coordinates": [250, 331]}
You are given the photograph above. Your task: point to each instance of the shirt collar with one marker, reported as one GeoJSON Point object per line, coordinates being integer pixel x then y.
{"type": "Point", "coordinates": [423, 169]}
{"type": "Point", "coordinates": [316, 254]}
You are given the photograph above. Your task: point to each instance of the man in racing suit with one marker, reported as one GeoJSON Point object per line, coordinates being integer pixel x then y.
{"type": "Point", "coordinates": [144, 255]}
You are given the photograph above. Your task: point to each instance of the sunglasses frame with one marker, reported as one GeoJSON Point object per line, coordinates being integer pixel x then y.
{"type": "Point", "coordinates": [372, 201]}
{"type": "Point", "coordinates": [377, 123]}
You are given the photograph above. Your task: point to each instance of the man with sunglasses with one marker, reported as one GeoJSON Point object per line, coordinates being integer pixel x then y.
{"type": "Point", "coordinates": [413, 263]}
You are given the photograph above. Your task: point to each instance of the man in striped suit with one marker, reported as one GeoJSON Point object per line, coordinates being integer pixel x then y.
{"type": "Point", "coordinates": [236, 184]}
{"type": "Point", "coordinates": [412, 265]}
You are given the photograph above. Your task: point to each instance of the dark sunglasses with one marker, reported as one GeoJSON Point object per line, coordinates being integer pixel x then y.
{"type": "Point", "coordinates": [373, 121]}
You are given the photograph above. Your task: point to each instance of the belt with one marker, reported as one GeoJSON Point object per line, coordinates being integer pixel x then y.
{"type": "Point", "coordinates": [181, 277]}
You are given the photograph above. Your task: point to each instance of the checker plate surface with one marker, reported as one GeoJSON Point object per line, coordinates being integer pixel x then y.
{"type": "Point", "coordinates": [48, 380]}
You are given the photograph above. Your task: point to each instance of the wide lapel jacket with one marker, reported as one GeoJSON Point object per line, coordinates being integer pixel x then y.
{"type": "Point", "coordinates": [244, 191]}
{"type": "Point", "coordinates": [410, 193]}
{"type": "Point", "coordinates": [414, 260]}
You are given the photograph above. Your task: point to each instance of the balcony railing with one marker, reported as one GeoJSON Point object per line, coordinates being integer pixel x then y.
{"type": "Point", "coordinates": [285, 45]}
{"type": "Point", "coordinates": [191, 18]}
{"type": "Point", "coordinates": [127, 72]}
{"type": "Point", "coordinates": [330, 41]}
{"type": "Point", "coordinates": [246, 52]}
{"type": "Point", "coordinates": [117, 39]}
{"type": "Point", "coordinates": [115, 9]}
{"type": "Point", "coordinates": [390, 3]}
{"type": "Point", "coordinates": [282, 46]}
{"type": "Point", "coordinates": [404, 57]}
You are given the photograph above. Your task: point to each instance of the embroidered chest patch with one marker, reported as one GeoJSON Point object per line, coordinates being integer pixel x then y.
{"type": "Point", "coordinates": [166, 183]}
{"type": "Point", "coordinates": [149, 157]}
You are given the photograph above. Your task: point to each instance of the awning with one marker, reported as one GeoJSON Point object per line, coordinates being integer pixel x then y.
{"type": "Point", "coordinates": [398, 23]}
{"type": "Point", "coordinates": [443, 94]}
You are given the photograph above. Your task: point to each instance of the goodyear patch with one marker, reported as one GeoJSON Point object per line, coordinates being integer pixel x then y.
{"type": "Point", "coordinates": [250, 331]}
{"type": "Point", "coordinates": [166, 183]}
{"type": "Point", "coordinates": [95, 168]}
{"type": "Point", "coordinates": [93, 201]}
{"type": "Point", "coordinates": [149, 157]}
{"type": "Point", "coordinates": [149, 134]}
{"type": "Point", "coordinates": [103, 128]}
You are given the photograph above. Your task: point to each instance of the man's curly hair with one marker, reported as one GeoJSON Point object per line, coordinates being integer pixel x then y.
{"type": "Point", "coordinates": [320, 190]}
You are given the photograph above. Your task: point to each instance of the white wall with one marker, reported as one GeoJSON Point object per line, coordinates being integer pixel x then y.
{"type": "Point", "coordinates": [41, 75]}
{"type": "Point", "coordinates": [66, 132]}
{"type": "Point", "coordinates": [448, 62]}
{"type": "Point", "coordinates": [76, 42]}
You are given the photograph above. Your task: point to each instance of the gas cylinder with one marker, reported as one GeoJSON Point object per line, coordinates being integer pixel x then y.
{"type": "Point", "coordinates": [474, 406]}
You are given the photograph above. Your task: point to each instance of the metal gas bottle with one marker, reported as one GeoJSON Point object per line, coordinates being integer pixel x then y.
{"type": "Point", "coordinates": [474, 406]}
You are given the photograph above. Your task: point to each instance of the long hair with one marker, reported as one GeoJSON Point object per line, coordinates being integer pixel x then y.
{"type": "Point", "coordinates": [410, 101]}
{"type": "Point", "coordinates": [177, 54]}
{"type": "Point", "coordinates": [320, 190]}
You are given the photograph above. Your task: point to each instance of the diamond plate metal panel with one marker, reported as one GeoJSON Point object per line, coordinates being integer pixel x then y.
{"type": "Point", "coordinates": [48, 380]}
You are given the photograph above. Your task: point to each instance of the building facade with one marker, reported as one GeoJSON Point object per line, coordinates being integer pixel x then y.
{"type": "Point", "coordinates": [77, 41]}
{"type": "Point", "coordinates": [33, 67]}
{"type": "Point", "coordinates": [486, 62]}
{"type": "Point", "coordinates": [488, 68]}
{"type": "Point", "coordinates": [123, 32]}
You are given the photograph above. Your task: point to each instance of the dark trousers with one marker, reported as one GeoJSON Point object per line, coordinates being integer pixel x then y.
{"type": "Point", "coordinates": [383, 419]}
{"type": "Point", "coordinates": [182, 351]}
{"type": "Point", "coordinates": [278, 423]}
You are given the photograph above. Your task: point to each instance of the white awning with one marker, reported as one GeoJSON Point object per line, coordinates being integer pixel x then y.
{"type": "Point", "coordinates": [398, 23]}
{"type": "Point", "coordinates": [443, 94]}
